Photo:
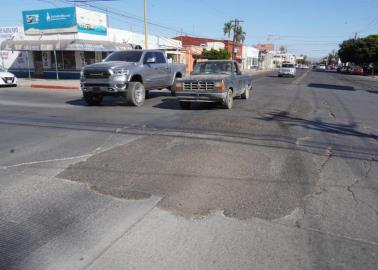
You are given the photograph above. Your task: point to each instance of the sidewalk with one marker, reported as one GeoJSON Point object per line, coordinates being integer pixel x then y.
{"type": "Point", "coordinates": [50, 84]}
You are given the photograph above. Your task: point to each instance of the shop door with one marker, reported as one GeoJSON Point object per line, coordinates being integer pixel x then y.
{"type": "Point", "coordinates": [38, 64]}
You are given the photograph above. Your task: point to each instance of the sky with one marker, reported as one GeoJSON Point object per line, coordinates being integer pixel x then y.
{"type": "Point", "coordinates": [310, 27]}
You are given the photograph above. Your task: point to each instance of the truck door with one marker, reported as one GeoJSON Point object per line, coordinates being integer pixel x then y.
{"type": "Point", "coordinates": [164, 71]}
{"type": "Point", "coordinates": [150, 71]}
{"type": "Point", "coordinates": [237, 80]}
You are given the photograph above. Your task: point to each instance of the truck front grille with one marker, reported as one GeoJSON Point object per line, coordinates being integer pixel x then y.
{"type": "Point", "coordinates": [199, 86]}
{"type": "Point", "coordinates": [105, 74]}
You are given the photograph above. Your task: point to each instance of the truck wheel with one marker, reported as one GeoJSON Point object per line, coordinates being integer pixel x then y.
{"type": "Point", "coordinates": [228, 102]}
{"type": "Point", "coordinates": [245, 95]}
{"type": "Point", "coordinates": [92, 100]}
{"type": "Point", "coordinates": [136, 94]}
{"type": "Point", "coordinates": [185, 105]}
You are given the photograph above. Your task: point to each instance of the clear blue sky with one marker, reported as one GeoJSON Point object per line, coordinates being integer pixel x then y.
{"type": "Point", "coordinates": [312, 27]}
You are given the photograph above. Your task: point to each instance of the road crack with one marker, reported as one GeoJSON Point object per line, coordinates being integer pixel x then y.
{"type": "Point", "coordinates": [354, 196]}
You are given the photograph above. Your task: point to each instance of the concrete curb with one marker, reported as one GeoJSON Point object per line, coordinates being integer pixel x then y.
{"type": "Point", "coordinates": [54, 87]}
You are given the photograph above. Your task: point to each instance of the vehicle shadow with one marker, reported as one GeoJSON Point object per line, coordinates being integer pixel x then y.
{"type": "Point", "coordinates": [173, 104]}
{"type": "Point", "coordinates": [331, 87]}
{"type": "Point", "coordinates": [107, 102]}
{"type": "Point", "coordinates": [119, 101]}
{"type": "Point", "coordinates": [317, 125]}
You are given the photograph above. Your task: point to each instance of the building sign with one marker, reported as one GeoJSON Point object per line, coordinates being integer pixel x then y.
{"type": "Point", "coordinates": [49, 21]}
{"type": "Point", "coordinates": [64, 20]}
{"type": "Point", "coordinates": [8, 32]}
{"type": "Point", "coordinates": [91, 22]}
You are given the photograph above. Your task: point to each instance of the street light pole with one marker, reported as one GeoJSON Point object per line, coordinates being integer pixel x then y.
{"type": "Point", "coordinates": [145, 25]}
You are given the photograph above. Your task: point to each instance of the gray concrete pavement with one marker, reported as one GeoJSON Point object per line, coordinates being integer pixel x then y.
{"type": "Point", "coordinates": [285, 180]}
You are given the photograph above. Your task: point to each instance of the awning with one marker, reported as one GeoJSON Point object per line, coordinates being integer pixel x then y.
{"type": "Point", "coordinates": [64, 45]}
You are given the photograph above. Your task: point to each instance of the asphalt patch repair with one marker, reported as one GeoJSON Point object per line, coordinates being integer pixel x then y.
{"type": "Point", "coordinates": [195, 177]}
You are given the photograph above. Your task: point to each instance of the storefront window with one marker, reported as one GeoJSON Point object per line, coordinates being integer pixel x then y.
{"type": "Point", "coordinates": [69, 60]}
{"type": "Point", "coordinates": [89, 58]}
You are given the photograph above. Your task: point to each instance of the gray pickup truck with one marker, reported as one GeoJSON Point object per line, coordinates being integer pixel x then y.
{"type": "Point", "coordinates": [130, 74]}
{"type": "Point", "coordinates": [213, 81]}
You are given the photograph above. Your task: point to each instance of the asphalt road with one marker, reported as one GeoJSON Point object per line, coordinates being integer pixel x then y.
{"type": "Point", "coordinates": [285, 180]}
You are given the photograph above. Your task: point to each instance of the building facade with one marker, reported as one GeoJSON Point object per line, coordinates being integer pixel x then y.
{"type": "Point", "coordinates": [57, 43]}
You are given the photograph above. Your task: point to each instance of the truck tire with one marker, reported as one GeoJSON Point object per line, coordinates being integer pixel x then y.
{"type": "Point", "coordinates": [245, 95]}
{"type": "Point", "coordinates": [185, 105]}
{"type": "Point", "coordinates": [228, 102]}
{"type": "Point", "coordinates": [92, 100]}
{"type": "Point", "coordinates": [136, 94]}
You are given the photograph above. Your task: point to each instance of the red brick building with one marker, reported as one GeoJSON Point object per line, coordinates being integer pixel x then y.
{"type": "Point", "coordinates": [188, 42]}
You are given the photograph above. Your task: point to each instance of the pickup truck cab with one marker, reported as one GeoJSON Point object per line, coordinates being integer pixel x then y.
{"type": "Point", "coordinates": [213, 81]}
{"type": "Point", "coordinates": [130, 74]}
{"type": "Point", "coordinates": [287, 69]}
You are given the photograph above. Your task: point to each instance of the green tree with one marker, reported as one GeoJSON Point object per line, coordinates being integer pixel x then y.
{"type": "Point", "coordinates": [215, 54]}
{"type": "Point", "coordinates": [238, 31]}
{"type": "Point", "coordinates": [227, 28]}
{"type": "Point", "coordinates": [361, 51]}
{"type": "Point", "coordinates": [302, 61]}
{"type": "Point", "coordinates": [240, 35]}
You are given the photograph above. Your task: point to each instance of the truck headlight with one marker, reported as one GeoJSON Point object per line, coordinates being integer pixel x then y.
{"type": "Point", "coordinates": [120, 72]}
{"type": "Point", "coordinates": [219, 86]}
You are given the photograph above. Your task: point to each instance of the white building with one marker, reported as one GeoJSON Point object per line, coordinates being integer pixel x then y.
{"type": "Point", "coordinates": [250, 57]}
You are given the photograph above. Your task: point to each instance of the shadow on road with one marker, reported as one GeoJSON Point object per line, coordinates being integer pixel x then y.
{"type": "Point", "coordinates": [372, 91]}
{"type": "Point", "coordinates": [173, 104]}
{"type": "Point", "coordinates": [331, 86]}
{"type": "Point", "coordinates": [317, 124]}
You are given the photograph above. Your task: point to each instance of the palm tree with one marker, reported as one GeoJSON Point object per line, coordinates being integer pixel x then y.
{"type": "Point", "coordinates": [240, 35]}
{"type": "Point", "coordinates": [227, 28]}
{"type": "Point", "coordinates": [238, 32]}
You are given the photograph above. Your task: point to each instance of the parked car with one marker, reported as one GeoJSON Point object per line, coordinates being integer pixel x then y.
{"type": "Point", "coordinates": [287, 69]}
{"type": "Point", "coordinates": [7, 78]}
{"type": "Point", "coordinates": [213, 81]}
{"type": "Point", "coordinates": [130, 74]}
{"type": "Point", "coordinates": [321, 67]}
{"type": "Point", "coordinates": [357, 70]}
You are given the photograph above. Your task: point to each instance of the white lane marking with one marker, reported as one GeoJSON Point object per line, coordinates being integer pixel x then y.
{"type": "Point", "coordinates": [44, 161]}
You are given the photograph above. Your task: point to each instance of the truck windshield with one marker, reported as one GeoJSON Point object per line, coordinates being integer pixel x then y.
{"type": "Point", "coordinates": [126, 56]}
{"type": "Point", "coordinates": [213, 68]}
{"type": "Point", "coordinates": [288, 65]}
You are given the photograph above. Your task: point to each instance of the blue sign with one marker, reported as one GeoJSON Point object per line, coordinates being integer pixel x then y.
{"type": "Point", "coordinates": [49, 21]}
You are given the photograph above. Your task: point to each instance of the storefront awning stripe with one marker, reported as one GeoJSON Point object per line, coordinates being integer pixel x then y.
{"type": "Point", "coordinates": [63, 45]}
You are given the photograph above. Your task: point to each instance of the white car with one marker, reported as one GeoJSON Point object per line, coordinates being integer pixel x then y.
{"type": "Point", "coordinates": [7, 78]}
{"type": "Point", "coordinates": [287, 69]}
{"type": "Point", "coordinates": [321, 68]}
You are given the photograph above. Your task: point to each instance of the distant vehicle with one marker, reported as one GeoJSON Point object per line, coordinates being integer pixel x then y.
{"type": "Point", "coordinates": [287, 69]}
{"type": "Point", "coordinates": [130, 74]}
{"type": "Point", "coordinates": [254, 67]}
{"type": "Point", "coordinates": [321, 67]}
{"type": "Point", "coordinates": [213, 81]}
{"type": "Point", "coordinates": [304, 66]}
{"type": "Point", "coordinates": [357, 70]}
{"type": "Point", "coordinates": [7, 78]}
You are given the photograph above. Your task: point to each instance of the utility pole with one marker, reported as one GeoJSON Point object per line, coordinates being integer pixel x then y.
{"type": "Point", "coordinates": [145, 25]}
{"type": "Point", "coordinates": [235, 28]}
